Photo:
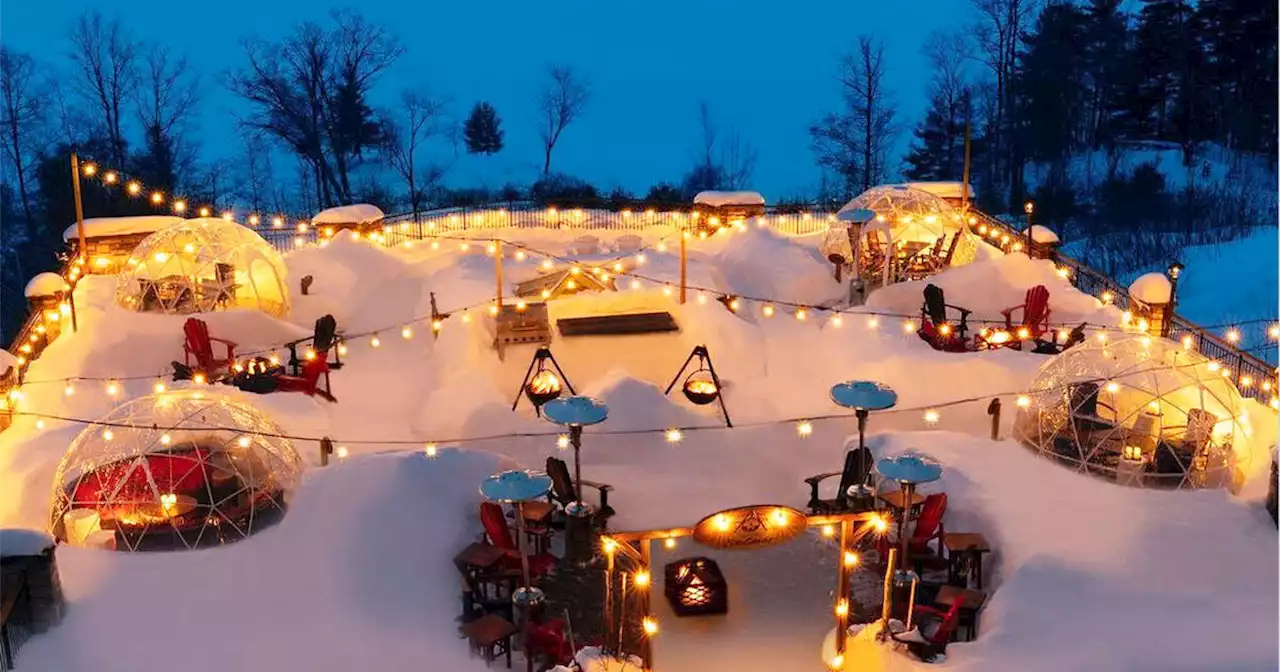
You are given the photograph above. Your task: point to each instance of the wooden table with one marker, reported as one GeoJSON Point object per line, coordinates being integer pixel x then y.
{"type": "Point", "coordinates": [968, 616]}
{"type": "Point", "coordinates": [479, 556]}
{"type": "Point", "coordinates": [894, 500]}
{"type": "Point", "coordinates": [490, 636]}
{"type": "Point", "coordinates": [965, 548]}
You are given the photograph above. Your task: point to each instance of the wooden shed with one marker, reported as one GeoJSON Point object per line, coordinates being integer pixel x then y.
{"type": "Point", "coordinates": [110, 240]}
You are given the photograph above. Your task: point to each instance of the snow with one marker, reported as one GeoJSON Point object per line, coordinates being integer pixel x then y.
{"type": "Point", "coordinates": [718, 199]}
{"type": "Point", "coordinates": [45, 284]}
{"type": "Point", "coordinates": [1043, 235]}
{"type": "Point", "coordinates": [358, 575]}
{"type": "Point", "coordinates": [99, 227]}
{"type": "Point", "coordinates": [1151, 288]}
{"type": "Point", "coordinates": [949, 190]}
{"type": "Point", "coordinates": [16, 542]}
{"type": "Point", "coordinates": [7, 361]}
{"type": "Point", "coordinates": [359, 213]}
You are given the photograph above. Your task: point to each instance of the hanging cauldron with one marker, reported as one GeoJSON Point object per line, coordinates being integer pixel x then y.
{"type": "Point", "coordinates": [701, 387]}
{"type": "Point", "coordinates": [544, 386]}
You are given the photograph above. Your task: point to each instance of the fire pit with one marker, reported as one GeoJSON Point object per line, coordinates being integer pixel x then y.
{"type": "Point", "coordinates": [695, 587]}
{"type": "Point", "coordinates": [701, 388]}
{"type": "Point", "coordinates": [258, 375]}
{"type": "Point", "coordinates": [544, 386]}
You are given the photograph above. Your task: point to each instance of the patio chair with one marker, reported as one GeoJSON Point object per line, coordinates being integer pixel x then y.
{"type": "Point", "coordinates": [563, 491]}
{"type": "Point", "coordinates": [1083, 406]}
{"type": "Point", "coordinates": [547, 640]}
{"type": "Point", "coordinates": [198, 345]}
{"type": "Point", "coordinates": [1035, 314]}
{"type": "Point", "coordinates": [478, 601]}
{"type": "Point", "coordinates": [322, 341]}
{"type": "Point", "coordinates": [938, 627]}
{"type": "Point", "coordinates": [936, 328]}
{"type": "Point", "coordinates": [858, 465]}
{"type": "Point", "coordinates": [309, 382]}
{"type": "Point", "coordinates": [498, 533]}
{"type": "Point", "coordinates": [928, 527]}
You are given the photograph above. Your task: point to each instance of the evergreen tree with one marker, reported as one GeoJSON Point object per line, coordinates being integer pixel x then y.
{"type": "Point", "coordinates": [937, 153]}
{"type": "Point", "coordinates": [1050, 86]}
{"type": "Point", "coordinates": [1106, 61]}
{"type": "Point", "coordinates": [1167, 100]}
{"type": "Point", "coordinates": [1239, 41]}
{"type": "Point", "coordinates": [483, 130]}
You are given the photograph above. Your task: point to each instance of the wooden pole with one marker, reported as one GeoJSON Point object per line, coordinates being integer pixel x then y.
{"type": "Point", "coordinates": [993, 409]}
{"type": "Point", "coordinates": [497, 269]}
{"type": "Point", "coordinates": [607, 626]}
{"type": "Point", "coordinates": [842, 588]}
{"type": "Point", "coordinates": [964, 194]}
{"type": "Point", "coordinates": [81, 253]}
{"type": "Point", "coordinates": [684, 260]}
{"type": "Point", "coordinates": [888, 587]}
{"type": "Point", "coordinates": [646, 595]}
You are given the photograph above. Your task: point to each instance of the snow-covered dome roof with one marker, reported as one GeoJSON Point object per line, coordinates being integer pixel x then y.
{"type": "Point", "coordinates": [45, 284]}
{"type": "Point", "coordinates": [96, 227]}
{"type": "Point", "coordinates": [1152, 288]}
{"type": "Point", "coordinates": [901, 205]}
{"type": "Point", "coordinates": [359, 213]}
{"type": "Point", "coordinates": [718, 199]}
{"type": "Point", "coordinates": [1181, 421]}
{"type": "Point", "coordinates": [952, 190]}
{"type": "Point", "coordinates": [203, 265]}
{"type": "Point", "coordinates": [183, 469]}
{"type": "Point", "coordinates": [1043, 235]}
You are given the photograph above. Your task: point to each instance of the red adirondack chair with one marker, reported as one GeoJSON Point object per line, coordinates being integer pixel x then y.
{"type": "Point", "coordinates": [1035, 314]}
{"type": "Point", "coordinates": [946, 621]}
{"type": "Point", "coordinates": [199, 344]}
{"type": "Point", "coordinates": [928, 528]}
{"type": "Point", "coordinates": [499, 534]}
{"type": "Point", "coordinates": [548, 641]}
{"type": "Point", "coordinates": [308, 382]}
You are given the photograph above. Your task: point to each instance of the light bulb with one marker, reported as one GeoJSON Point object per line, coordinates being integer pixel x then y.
{"type": "Point", "coordinates": [431, 450]}
{"type": "Point", "coordinates": [1023, 401]}
{"type": "Point", "coordinates": [804, 429]}
{"type": "Point", "coordinates": [562, 441]}
{"type": "Point", "coordinates": [406, 332]}
{"type": "Point", "coordinates": [931, 417]}
{"type": "Point", "coordinates": [674, 435]}
{"type": "Point", "coordinates": [375, 341]}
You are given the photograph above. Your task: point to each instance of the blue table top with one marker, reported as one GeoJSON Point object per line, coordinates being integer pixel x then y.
{"type": "Point", "coordinates": [517, 485]}
{"type": "Point", "coordinates": [864, 395]}
{"type": "Point", "coordinates": [910, 468]}
{"type": "Point", "coordinates": [579, 410]}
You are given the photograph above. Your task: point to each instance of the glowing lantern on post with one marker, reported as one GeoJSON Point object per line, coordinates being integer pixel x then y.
{"type": "Point", "coordinates": [695, 587]}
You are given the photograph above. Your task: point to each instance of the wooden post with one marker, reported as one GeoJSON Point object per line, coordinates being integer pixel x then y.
{"type": "Point", "coordinates": [964, 194]}
{"type": "Point", "coordinates": [888, 587]}
{"type": "Point", "coordinates": [497, 269]}
{"type": "Point", "coordinates": [842, 588]}
{"type": "Point", "coordinates": [684, 259]}
{"type": "Point", "coordinates": [83, 251]}
{"type": "Point", "coordinates": [646, 595]}
{"type": "Point", "coordinates": [607, 625]}
{"type": "Point", "coordinates": [993, 409]}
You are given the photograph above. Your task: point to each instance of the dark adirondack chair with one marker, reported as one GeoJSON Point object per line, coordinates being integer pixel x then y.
{"type": "Point", "coordinates": [1035, 314]}
{"type": "Point", "coordinates": [936, 327]}
{"type": "Point", "coordinates": [198, 346]}
{"type": "Point", "coordinates": [498, 533]}
{"type": "Point", "coordinates": [858, 465]}
{"type": "Point", "coordinates": [1084, 406]}
{"type": "Point", "coordinates": [563, 491]}
{"type": "Point", "coordinates": [324, 340]}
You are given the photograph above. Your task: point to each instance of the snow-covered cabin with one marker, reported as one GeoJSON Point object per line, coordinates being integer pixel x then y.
{"type": "Point", "coordinates": [362, 217]}
{"type": "Point", "coordinates": [729, 205]}
{"type": "Point", "coordinates": [110, 240]}
{"type": "Point", "coordinates": [951, 192]}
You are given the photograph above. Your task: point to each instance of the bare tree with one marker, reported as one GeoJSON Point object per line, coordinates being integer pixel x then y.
{"type": "Point", "coordinates": [854, 143]}
{"type": "Point", "coordinates": [719, 165]}
{"type": "Point", "coordinates": [166, 97]}
{"type": "Point", "coordinates": [421, 119]}
{"type": "Point", "coordinates": [22, 119]}
{"type": "Point", "coordinates": [738, 161]}
{"type": "Point", "coordinates": [257, 170]}
{"type": "Point", "coordinates": [948, 54]}
{"type": "Point", "coordinates": [105, 54]}
{"type": "Point", "coordinates": [560, 101]}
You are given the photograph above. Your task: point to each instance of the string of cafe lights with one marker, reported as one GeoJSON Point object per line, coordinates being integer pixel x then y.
{"type": "Point", "coordinates": [803, 425]}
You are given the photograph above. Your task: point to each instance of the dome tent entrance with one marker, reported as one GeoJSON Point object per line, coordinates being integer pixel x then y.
{"type": "Point", "coordinates": [1141, 411]}
{"type": "Point", "coordinates": [202, 265]}
{"type": "Point", "coordinates": [895, 219]}
{"type": "Point", "coordinates": [185, 469]}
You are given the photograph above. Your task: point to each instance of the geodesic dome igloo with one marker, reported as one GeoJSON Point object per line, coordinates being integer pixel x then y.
{"type": "Point", "coordinates": [1139, 410]}
{"type": "Point", "coordinates": [897, 217]}
{"type": "Point", "coordinates": [174, 470]}
{"type": "Point", "coordinates": [203, 265]}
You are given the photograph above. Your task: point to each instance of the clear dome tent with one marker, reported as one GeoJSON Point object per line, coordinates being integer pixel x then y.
{"type": "Point", "coordinates": [897, 220]}
{"type": "Point", "coordinates": [1141, 411]}
{"type": "Point", "coordinates": [203, 265]}
{"type": "Point", "coordinates": [184, 469]}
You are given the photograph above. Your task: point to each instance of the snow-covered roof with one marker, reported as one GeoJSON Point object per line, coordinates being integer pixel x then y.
{"type": "Point", "coordinates": [45, 284]}
{"type": "Point", "coordinates": [1151, 288]}
{"type": "Point", "coordinates": [359, 213]}
{"type": "Point", "coordinates": [97, 227]}
{"type": "Point", "coordinates": [7, 360]}
{"type": "Point", "coordinates": [942, 189]}
{"type": "Point", "coordinates": [717, 199]}
{"type": "Point", "coordinates": [1043, 235]}
{"type": "Point", "coordinates": [15, 542]}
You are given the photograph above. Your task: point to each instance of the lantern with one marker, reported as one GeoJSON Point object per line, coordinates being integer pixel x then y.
{"type": "Point", "coordinates": [543, 387]}
{"type": "Point", "coordinates": [701, 388]}
{"type": "Point", "coordinates": [695, 587]}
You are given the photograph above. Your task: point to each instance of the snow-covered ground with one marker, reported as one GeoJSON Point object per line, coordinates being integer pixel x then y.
{"type": "Point", "coordinates": [1086, 575]}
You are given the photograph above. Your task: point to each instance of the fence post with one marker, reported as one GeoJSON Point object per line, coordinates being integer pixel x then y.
{"type": "Point", "coordinates": [993, 409]}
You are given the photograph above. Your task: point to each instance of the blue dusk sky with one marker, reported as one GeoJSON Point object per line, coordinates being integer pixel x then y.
{"type": "Point", "coordinates": [765, 68]}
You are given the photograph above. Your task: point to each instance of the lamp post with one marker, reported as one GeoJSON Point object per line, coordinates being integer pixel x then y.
{"type": "Point", "coordinates": [1029, 207]}
{"type": "Point", "coordinates": [575, 413]}
{"type": "Point", "coordinates": [863, 396]}
{"type": "Point", "coordinates": [1175, 270]}
{"type": "Point", "coordinates": [517, 487]}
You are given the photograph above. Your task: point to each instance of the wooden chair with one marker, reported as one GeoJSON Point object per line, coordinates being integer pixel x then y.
{"type": "Point", "coordinates": [936, 627]}
{"type": "Point", "coordinates": [309, 382]}
{"type": "Point", "coordinates": [198, 345]}
{"type": "Point", "coordinates": [1035, 314]}
{"type": "Point", "coordinates": [937, 328]}
{"type": "Point", "coordinates": [498, 533]}
{"type": "Point", "coordinates": [858, 465]}
{"type": "Point", "coordinates": [322, 341]}
{"type": "Point", "coordinates": [563, 491]}
{"type": "Point", "coordinates": [928, 527]}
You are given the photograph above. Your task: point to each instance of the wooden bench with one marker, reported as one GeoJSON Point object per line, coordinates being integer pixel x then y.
{"type": "Point", "coordinates": [617, 325]}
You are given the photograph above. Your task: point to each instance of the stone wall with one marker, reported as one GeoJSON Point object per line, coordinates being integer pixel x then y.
{"type": "Point", "coordinates": [110, 254]}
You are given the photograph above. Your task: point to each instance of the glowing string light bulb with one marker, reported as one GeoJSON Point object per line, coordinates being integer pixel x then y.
{"type": "Point", "coordinates": [931, 417]}
{"type": "Point", "coordinates": [674, 435]}
{"type": "Point", "coordinates": [431, 450]}
{"type": "Point", "coordinates": [562, 441]}
{"type": "Point", "coordinates": [804, 429]}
